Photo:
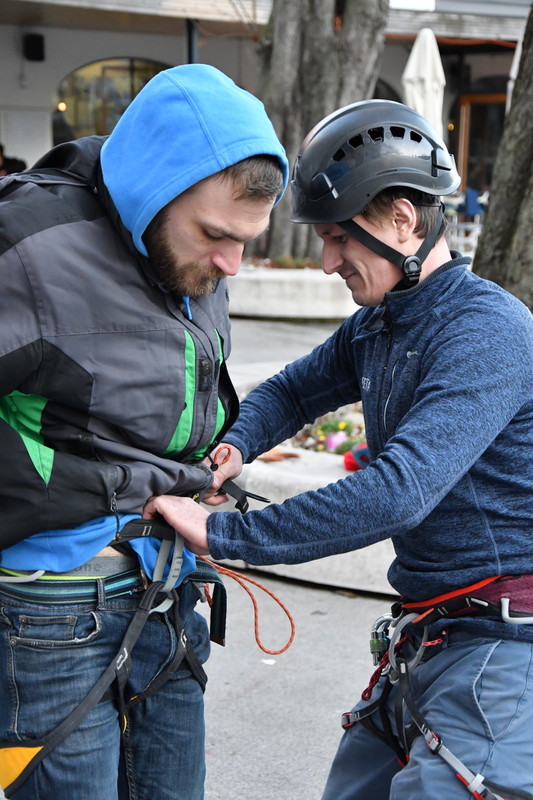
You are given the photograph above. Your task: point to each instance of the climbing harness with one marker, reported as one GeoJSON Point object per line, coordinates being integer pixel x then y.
{"type": "Point", "coordinates": [489, 597]}
{"type": "Point", "coordinates": [19, 759]}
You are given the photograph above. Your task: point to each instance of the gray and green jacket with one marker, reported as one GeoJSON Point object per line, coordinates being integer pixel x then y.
{"type": "Point", "coordinates": [108, 392]}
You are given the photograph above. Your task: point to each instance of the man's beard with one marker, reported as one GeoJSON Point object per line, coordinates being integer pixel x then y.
{"type": "Point", "coordinates": [183, 280]}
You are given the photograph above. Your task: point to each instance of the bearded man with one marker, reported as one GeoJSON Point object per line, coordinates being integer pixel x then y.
{"type": "Point", "coordinates": [113, 386]}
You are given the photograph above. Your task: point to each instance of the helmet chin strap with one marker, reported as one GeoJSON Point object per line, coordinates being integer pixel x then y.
{"type": "Point", "coordinates": [411, 266]}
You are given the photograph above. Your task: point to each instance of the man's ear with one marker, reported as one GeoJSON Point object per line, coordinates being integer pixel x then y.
{"type": "Point", "coordinates": [404, 218]}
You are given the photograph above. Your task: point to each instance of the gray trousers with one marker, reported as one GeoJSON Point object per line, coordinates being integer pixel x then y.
{"type": "Point", "coordinates": [477, 695]}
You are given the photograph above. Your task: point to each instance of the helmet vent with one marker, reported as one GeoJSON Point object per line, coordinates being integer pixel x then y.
{"type": "Point", "coordinates": [339, 155]}
{"type": "Point", "coordinates": [377, 134]}
{"type": "Point", "coordinates": [415, 136]}
{"type": "Point", "coordinates": [397, 132]}
{"type": "Point", "coordinates": [356, 141]}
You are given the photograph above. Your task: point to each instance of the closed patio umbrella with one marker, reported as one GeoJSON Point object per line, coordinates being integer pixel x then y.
{"type": "Point", "coordinates": [423, 79]}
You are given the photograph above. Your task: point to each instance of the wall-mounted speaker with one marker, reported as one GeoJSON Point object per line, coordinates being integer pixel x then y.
{"type": "Point", "coordinates": [33, 46]}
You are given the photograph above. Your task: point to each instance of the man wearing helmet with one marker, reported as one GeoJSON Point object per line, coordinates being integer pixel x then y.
{"type": "Point", "coordinates": [442, 361]}
{"type": "Point", "coordinates": [341, 170]}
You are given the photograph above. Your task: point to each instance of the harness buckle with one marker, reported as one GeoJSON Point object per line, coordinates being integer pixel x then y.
{"type": "Point", "coordinates": [433, 741]}
{"type": "Point", "coordinates": [348, 719]}
{"type": "Point", "coordinates": [513, 619]}
{"type": "Point", "coordinates": [240, 495]}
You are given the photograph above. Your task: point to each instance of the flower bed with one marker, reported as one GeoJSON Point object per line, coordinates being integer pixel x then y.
{"type": "Point", "coordinates": [336, 432]}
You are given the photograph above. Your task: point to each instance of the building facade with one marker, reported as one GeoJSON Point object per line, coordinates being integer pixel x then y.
{"type": "Point", "coordinates": [70, 67]}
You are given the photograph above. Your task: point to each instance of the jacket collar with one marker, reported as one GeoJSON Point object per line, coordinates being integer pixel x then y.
{"type": "Point", "coordinates": [78, 162]}
{"type": "Point", "coordinates": [407, 305]}
{"type": "Point", "coordinates": [410, 304]}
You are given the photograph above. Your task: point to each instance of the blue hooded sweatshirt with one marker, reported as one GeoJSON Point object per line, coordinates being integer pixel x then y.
{"type": "Point", "coordinates": [208, 124]}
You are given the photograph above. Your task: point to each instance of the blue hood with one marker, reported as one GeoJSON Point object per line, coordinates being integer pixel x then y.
{"type": "Point", "coordinates": [186, 124]}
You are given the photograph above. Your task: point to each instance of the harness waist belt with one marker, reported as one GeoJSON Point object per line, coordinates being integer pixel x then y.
{"type": "Point", "coordinates": [507, 596]}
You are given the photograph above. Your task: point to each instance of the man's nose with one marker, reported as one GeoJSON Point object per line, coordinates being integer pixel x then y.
{"type": "Point", "coordinates": [229, 259]}
{"type": "Point", "coordinates": [332, 259]}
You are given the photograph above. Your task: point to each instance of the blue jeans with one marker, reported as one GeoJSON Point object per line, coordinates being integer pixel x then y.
{"type": "Point", "coordinates": [50, 657]}
{"type": "Point", "coordinates": [477, 695]}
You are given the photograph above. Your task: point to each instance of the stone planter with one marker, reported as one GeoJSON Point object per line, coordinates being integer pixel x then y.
{"type": "Point", "coordinates": [288, 294]}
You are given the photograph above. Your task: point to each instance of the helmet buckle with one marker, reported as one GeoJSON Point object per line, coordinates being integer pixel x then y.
{"type": "Point", "coordinates": [411, 269]}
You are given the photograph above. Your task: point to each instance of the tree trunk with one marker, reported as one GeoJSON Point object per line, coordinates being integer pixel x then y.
{"type": "Point", "coordinates": [318, 55]}
{"type": "Point", "coordinates": [505, 249]}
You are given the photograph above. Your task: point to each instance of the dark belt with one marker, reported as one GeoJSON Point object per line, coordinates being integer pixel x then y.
{"type": "Point", "coordinates": [113, 575]}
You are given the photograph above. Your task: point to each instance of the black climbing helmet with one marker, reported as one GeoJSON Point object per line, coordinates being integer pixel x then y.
{"type": "Point", "coordinates": [361, 149]}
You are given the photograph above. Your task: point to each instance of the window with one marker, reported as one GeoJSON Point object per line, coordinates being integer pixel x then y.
{"type": "Point", "coordinates": [477, 120]}
{"type": "Point", "coordinates": [91, 99]}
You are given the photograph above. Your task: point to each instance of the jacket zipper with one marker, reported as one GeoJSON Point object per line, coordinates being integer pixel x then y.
{"type": "Point", "coordinates": [113, 505]}
{"type": "Point", "coordinates": [196, 332]}
{"type": "Point", "coordinates": [387, 330]}
{"type": "Point", "coordinates": [386, 406]}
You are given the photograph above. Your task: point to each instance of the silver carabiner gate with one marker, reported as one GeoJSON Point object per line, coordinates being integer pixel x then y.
{"type": "Point", "coordinates": [394, 640]}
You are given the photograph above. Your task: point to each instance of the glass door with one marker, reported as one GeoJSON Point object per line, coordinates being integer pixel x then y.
{"type": "Point", "coordinates": [481, 119]}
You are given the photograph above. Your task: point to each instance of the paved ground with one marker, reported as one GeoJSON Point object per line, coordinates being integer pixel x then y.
{"type": "Point", "coordinates": [269, 340]}
{"type": "Point", "coordinates": [262, 347]}
{"type": "Point", "coordinates": [273, 722]}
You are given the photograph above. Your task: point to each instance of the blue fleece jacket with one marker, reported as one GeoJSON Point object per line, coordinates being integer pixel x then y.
{"type": "Point", "coordinates": [444, 371]}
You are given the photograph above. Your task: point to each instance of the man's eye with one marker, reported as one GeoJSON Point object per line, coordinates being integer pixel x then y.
{"type": "Point", "coordinates": [212, 237]}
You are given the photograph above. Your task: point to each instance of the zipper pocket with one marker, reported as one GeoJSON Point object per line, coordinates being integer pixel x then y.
{"type": "Point", "coordinates": [123, 479]}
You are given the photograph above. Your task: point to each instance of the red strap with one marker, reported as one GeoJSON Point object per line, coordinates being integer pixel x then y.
{"type": "Point", "coordinates": [441, 598]}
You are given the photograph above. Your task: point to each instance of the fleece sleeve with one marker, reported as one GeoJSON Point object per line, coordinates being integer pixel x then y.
{"type": "Point", "coordinates": [475, 382]}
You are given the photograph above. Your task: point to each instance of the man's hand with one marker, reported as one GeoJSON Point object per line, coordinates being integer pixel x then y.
{"type": "Point", "coordinates": [185, 516]}
{"type": "Point", "coordinates": [226, 462]}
